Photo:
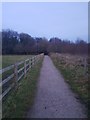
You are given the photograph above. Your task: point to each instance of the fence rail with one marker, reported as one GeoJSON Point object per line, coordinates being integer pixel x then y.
{"type": "Point", "coordinates": [15, 77]}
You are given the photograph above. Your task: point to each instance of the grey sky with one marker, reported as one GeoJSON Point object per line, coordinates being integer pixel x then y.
{"type": "Point", "coordinates": [63, 20]}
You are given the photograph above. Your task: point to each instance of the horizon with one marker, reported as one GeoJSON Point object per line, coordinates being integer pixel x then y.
{"type": "Point", "coordinates": [78, 39]}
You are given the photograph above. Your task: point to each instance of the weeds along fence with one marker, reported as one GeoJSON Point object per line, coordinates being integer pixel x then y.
{"type": "Point", "coordinates": [12, 74]}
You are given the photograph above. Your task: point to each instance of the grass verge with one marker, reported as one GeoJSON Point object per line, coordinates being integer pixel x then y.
{"type": "Point", "coordinates": [20, 100]}
{"type": "Point", "coordinates": [77, 80]}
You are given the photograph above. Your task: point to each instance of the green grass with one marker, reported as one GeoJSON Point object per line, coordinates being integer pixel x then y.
{"type": "Point", "coordinates": [11, 59]}
{"type": "Point", "coordinates": [76, 78]}
{"type": "Point", "coordinates": [19, 101]}
{"type": "Point", "coordinates": [8, 60]}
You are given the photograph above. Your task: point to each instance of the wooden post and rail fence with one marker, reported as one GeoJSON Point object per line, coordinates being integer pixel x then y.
{"type": "Point", "coordinates": [20, 70]}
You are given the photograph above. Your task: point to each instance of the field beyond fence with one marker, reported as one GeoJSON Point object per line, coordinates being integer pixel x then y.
{"type": "Point", "coordinates": [12, 74]}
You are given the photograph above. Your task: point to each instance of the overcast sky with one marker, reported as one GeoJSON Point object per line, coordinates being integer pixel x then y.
{"type": "Point", "coordinates": [64, 20]}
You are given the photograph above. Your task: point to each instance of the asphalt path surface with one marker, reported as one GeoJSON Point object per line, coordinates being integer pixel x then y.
{"type": "Point", "coordinates": [54, 98]}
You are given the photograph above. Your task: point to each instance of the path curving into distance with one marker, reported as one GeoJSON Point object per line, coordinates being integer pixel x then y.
{"type": "Point", "coordinates": [54, 98]}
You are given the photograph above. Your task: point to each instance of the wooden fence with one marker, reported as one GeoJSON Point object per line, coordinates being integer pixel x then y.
{"type": "Point", "coordinates": [18, 70]}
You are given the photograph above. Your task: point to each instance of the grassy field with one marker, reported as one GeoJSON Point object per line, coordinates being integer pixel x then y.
{"type": "Point", "coordinates": [20, 100]}
{"type": "Point", "coordinates": [74, 72]}
{"type": "Point", "coordinates": [11, 59]}
{"type": "Point", "coordinates": [8, 60]}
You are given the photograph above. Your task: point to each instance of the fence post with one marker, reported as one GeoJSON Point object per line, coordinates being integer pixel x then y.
{"type": "Point", "coordinates": [37, 58]}
{"type": "Point", "coordinates": [31, 62]}
{"type": "Point", "coordinates": [25, 68]}
{"type": "Point", "coordinates": [85, 66]}
{"type": "Point", "coordinates": [15, 74]}
{"type": "Point", "coordinates": [34, 60]}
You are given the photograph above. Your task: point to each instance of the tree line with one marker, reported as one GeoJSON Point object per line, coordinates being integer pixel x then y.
{"type": "Point", "coordinates": [23, 43]}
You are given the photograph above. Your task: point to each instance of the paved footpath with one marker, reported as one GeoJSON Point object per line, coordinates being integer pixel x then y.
{"type": "Point", "coordinates": [54, 98]}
